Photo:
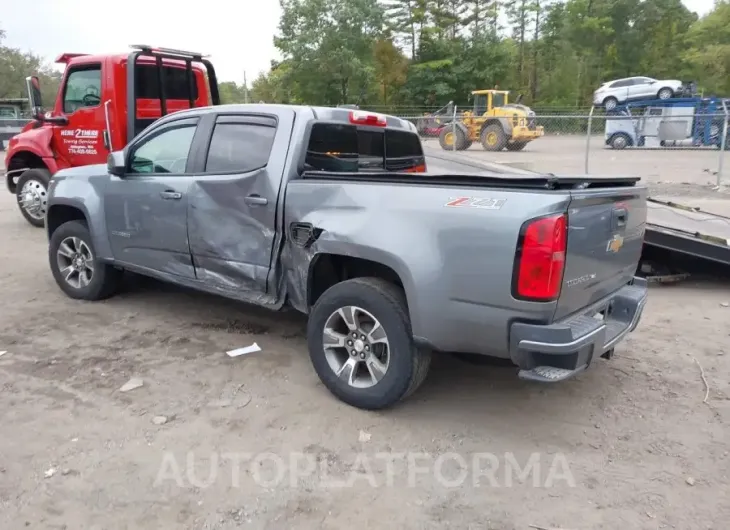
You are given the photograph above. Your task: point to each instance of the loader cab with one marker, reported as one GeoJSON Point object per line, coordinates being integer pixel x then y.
{"type": "Point", "coordinates": [106, 100]}
{"type": "Point", "coordinates": [486, 100]}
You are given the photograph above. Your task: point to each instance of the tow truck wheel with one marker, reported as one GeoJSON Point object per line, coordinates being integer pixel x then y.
{"type": "Point", "coordinates": [360, 344]}
{"type": "Point", "coordinates": [75, 266]}
{"type": "Point", "coordinates": [32, 194]}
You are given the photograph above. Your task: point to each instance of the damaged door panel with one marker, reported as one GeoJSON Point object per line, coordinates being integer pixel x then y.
{"type": "Point", "coordinates": [146, 209]}
{"type": "Point", "coordinates": [232, 203]}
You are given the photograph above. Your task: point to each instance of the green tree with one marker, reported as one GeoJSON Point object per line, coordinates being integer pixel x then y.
{"type": "Point", "coordinates": [16, 65]}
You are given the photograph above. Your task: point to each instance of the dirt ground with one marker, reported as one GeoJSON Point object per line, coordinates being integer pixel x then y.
{"type": "Point", "coordinates": [631, 442]}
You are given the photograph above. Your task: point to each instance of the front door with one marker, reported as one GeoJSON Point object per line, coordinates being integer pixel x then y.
{"type": "Point", "coordinates": [233, 201]}
{"type": "Point", "coordinates": [146, 210]}
{"type": "Point", "coordinates": [81, 141]}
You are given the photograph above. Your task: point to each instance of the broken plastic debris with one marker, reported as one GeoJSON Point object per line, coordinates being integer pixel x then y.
{"type": "Point", "coordinates": [364, 436]}
{"type": "Point", "coordinates": [49, 473]}
{"type": "Point", "coordinates": [243, 351]}
{"type": "Point", "coordinates": [3, 352]}
{"type": "Point", "coordinates": [132, 384]}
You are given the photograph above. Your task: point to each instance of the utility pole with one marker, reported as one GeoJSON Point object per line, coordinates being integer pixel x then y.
{"type": "Point", "coordinates": [245, 88]}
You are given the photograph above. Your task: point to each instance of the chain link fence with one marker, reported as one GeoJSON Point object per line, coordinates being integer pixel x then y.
{"type": "Point", "coordinates": [660, 144]}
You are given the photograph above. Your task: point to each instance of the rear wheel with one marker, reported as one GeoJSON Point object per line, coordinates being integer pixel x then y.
{"type": "Point", "coordinates": [493, 138]}
{"type": "Point", "coordinates": [452, 138]}
{"type": "Point", "coordinates": [75, 266]}
{"type": "Point", "coordinates": [360, 344]}
{"type": "Point", "coordinates": [32, 194]}
{"type": "Point", "coordinates": [516, 146]}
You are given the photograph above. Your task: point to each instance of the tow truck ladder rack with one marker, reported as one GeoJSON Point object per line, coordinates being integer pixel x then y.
{"type": "Point", "coordinates": [159, 54]}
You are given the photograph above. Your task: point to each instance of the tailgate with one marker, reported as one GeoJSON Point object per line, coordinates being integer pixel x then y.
{"type": "Point", "coordinates": [605, 238]}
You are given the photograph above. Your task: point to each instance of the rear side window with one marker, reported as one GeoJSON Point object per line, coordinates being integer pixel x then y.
{"type": "Point", "coordinates": [176, 82]}
{"type": "Point", "coordinates": [239, 147]}
{"type": "Point", "coordinates": [346, 148]}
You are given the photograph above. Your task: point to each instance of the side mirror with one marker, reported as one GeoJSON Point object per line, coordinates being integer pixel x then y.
{"type": "Point", "coordinates": [34, 96]}
{"type": "Point", "coordinates": [115, 163]}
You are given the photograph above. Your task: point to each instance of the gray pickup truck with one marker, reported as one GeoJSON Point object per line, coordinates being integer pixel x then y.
{"type": "Point", "coordinates": [331, 211]}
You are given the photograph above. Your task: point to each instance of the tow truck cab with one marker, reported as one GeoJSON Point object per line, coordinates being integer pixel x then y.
{"type": "Point", "coordinates": [102, 103]}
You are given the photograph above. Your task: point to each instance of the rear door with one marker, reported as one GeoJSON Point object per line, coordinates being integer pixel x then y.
{"type": "Point", "coordinates": [605, 238]}
{"type": "Point", "coordinates": [233, 199]}
{"type": "Point", "coordinates": [146, 210]}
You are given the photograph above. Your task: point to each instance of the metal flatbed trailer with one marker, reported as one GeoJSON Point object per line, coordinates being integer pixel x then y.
{"type": "Point", "coordinates": [688, 230]}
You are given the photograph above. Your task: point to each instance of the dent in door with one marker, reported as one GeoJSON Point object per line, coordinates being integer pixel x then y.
{"type": "Point", "coordinates": [230, 245]}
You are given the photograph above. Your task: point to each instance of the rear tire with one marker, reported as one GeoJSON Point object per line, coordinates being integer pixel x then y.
{"type": "Point", "coordinates": [76, 267]}
{"type": "Point", "coordinates": [32, 195]}
{"type": "Point", "coordinates": [493, 138]}
{"type": "Point", "coordinates": [373, 299]}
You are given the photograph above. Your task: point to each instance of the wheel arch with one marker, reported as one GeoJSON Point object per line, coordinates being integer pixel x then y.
{"type": "Point", "coordinates": [329, 268]}
{"type": "Point", "coordinates": [20, 161]}
{"type": "Point", "coordinates": [58, 214]}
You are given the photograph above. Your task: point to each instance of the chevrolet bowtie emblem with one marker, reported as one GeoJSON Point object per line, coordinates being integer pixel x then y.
{"type": "Point", "coordinates": [615, 244]}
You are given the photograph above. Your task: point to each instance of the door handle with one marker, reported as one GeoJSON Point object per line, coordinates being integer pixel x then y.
{"type": "Point", "coordinates": [171, 195]}
{"type": "Point", "coordinates": [619, 217]}
{"type": "Point", "coordinates": [256, 200]}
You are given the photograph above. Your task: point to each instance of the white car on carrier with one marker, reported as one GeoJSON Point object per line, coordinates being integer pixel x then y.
{"type": "Point", "coordinates": [618, 91]}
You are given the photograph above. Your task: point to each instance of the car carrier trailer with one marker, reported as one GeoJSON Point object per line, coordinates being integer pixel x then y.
{"type": "Point", "coordinates": [676, 122]}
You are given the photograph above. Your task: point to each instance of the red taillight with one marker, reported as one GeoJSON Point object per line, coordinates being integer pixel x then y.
{"type": "Point", "coordinates": [421, 168]}
{"type": "Point", "coordinates": [541, 258]}
{"type": "Point", "coordinates": [360, 117]}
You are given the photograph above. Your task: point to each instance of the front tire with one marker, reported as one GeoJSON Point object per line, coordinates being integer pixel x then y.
{"type": "Point", "coordinates": [32, 194]}
{"type": "Point", "coordinates": [452, 138]}
{"type": "Point", "coordinates": [76, 267]}
{"type": "Point", "coordinates": [620, 141]}
{"type": "Point", "coordinates": [610, 103]}
{"type": "Point", "coordinates": [360, 344]}
{"type": "Point", "coordinates": [665, 93]}
{"type": "Point", "coordinates": [493, 138]}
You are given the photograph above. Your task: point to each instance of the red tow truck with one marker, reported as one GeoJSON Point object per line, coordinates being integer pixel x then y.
{"type": "Point", "coordinates": [103, 102]}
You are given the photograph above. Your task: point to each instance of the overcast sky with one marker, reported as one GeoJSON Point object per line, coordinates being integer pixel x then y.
{"type": "Point", "coordinates": [237, 34]}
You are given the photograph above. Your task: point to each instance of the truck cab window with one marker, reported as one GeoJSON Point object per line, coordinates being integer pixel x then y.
{"type": "Point", "coordinates": [335, 147]}
{"type": "Point", "coordinates": [166, 152]}
{"type": "Point", "coordinates": [239, 147]}
{"type": "Point", "coordinates": [83, 88]}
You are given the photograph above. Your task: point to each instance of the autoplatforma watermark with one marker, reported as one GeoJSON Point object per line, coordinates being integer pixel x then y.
{"type": "Point", "coordinates": [409, 469]}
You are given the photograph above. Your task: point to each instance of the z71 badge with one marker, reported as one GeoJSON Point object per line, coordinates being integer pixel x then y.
{"type": "Point", "coordinates": [475, 202]}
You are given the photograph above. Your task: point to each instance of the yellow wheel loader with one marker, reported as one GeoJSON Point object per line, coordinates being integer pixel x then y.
{"type": "Point", "coordinates": [494, 122]}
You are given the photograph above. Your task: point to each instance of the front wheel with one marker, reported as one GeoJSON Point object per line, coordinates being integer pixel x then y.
{"type": "Point", "coordinates": [610, 103]}
{"type": "Point", "coordinates": [665, 93]}
{"type": "Point", "coordinates": [32, 194]}
{"type": "Point", "coordinates": [493, 138]}
{"type": "Point", "coordinates": [75, 266]}
{"type": "Point", "coordinates": [360, 344]}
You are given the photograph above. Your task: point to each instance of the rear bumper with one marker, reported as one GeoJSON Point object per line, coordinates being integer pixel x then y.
{"type": "Point", "coordinates": [551, 353]}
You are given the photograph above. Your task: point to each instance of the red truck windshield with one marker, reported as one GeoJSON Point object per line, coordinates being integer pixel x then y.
{"type": "Point", "coordinates": [348, 148]}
